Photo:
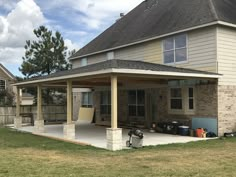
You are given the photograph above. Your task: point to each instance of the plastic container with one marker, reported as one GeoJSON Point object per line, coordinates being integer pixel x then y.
{"type": "Point", "coordinates": [199, 132]}
{"type": "Point", "coordinates": [137, 142]}
{"type": "Point", "coordinates": [183, 130]}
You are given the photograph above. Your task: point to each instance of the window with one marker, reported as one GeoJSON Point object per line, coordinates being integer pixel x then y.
{"type": "Point", "coordinates": [110, 55]}
{"type": "Point", "coordinates": [87, 99]}
{"type": "Point", "coordinates": [182, 100]}
{"type": "Point", "coordinates": [190, 99]}
{"type": "Point", "coordinates": [83, 62]}
{"type": "Point", "coordinates": [105, 103]}
{"type": "Point", "coordinates": [175, 49]}
{"type": "Point", "coordinates": [136, 103]}
{"type": "Point", "coordinates": [2, 85]}
{"type": "Point", "coordinates": [176, 98]}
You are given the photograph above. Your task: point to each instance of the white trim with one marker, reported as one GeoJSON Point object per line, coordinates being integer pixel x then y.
{"type": "Point", "coordinates": [4, 70]}
{"type": "Point", "coordinates": [227, 24]}
{"type": "Point", "coordinates": [65, 77]}
{"type": "Point", "coordinates": [123, 71]}
{"type": "Point", "coordinates": [164, 73]}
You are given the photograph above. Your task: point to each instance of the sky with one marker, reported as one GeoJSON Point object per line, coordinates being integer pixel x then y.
{"type": "Point", "coordinates": [79, 21]}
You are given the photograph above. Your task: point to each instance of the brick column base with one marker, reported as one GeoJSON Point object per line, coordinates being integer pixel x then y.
{"type": "Point", "coordinates": [114, 139]}
{"type": "Point", "coordinates": [18, 122]}
{"type": "Point", "coordinates": [39, 126]}
{"type": "Point", "coordinates": [69, 131]}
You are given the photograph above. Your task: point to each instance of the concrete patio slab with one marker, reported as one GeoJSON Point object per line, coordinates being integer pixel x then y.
{"type": "Point", "coordinates": [87, 133]}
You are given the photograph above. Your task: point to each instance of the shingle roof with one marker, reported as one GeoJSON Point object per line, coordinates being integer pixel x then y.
{"type": "Point", "coordinates": [158, 17]}
{"type": "Point", "coordinates": [119, 64]}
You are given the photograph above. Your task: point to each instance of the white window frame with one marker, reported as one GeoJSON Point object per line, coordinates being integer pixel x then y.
{"type": "Point", "coordinates": [83, 62]}
{"type": "Point", "coordinates": [110, 55]}
{"type": "Point", "coordinates": [88, 105]}
{"type": "Point", "coordinates": [185, 101]}
{"type": "Point", "coordinates": [5, 85]}
{"type": "Point", "coordinates": [174, 50]}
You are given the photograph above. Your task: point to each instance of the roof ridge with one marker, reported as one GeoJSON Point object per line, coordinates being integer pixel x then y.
{"type": "Point", "coordinates": [213, 9]}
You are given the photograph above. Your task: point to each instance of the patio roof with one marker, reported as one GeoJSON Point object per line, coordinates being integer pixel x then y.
{"type": "Point", "coordinates": [117, 66]}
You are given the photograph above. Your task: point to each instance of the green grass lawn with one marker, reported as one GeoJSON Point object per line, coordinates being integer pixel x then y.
{"type": "Point", "coordinates": [23, 155]}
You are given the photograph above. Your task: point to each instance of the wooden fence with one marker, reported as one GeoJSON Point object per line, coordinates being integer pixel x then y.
{"type": "Point", "coordinates": [55, 113]}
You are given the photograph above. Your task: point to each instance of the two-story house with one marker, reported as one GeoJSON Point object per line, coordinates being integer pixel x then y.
{"type": "Point", "coordinates": [164, 60]}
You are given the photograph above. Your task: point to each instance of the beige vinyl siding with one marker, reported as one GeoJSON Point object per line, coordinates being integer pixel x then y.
{"type": "Point", "coordinates": [201, 50]}
{"type": "Point", "coordinates": [91, 60]}
{"type": "Point", "coordinates": [135, 52]}
{"type": "Point", "coordinates": [226, 38]}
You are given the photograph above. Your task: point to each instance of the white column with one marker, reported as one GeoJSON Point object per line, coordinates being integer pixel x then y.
{"type": "Point", "coordinates": [114, 134]}
{"type": "Point", "coordinates": [69, 126]}
{"type": "Point", "coordinates": [18, 118]}
{"type": "Point", "coordinates": [39, 122]}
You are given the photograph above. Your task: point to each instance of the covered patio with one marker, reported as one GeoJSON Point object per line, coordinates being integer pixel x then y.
{"type": "Point", "coordinates": [90, 134]}
{"type": "Point", "coordinates": [115, 75]}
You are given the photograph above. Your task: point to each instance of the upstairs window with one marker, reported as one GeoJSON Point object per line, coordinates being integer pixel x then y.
{"type": "Point", "coordinates": [175, 49]}
{"type": "Point", "coordinates": [83, 62]}
{"type": "Point", "coordinates": [110, 56]}
{"type": "Point", "coordinates": [2, 85]}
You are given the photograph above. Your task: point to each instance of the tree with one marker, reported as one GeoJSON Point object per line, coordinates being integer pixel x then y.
{"type": "Point", "coordinates": [44, 56]}
{"type": "Point", "coordinates": [6, 98]}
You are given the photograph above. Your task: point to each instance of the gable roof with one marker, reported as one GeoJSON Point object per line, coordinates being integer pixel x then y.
{"type": "Point", "coordinates": [121, 67]}
{"type": "Point", "coordinates": [154, 18]}
{"type": "Point", "coordinates": [8, 73]}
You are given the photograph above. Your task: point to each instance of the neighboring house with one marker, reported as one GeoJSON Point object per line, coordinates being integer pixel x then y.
{"type": "Point", "coordinates": [6, 79]}
{"type": "Point", "coordinates": [26, 99]}
{"type": "Point", "coordinates": [165, 60]}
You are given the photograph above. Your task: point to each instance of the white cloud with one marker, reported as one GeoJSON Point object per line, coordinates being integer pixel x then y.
{"type": "Point", "coordinates": [71, 45]}
{"type": "Point", "coordinates": [16, 28]}
{"type": "Point", "coordinates": [96, 13]}
{"type": "Point", "coordinates": [77, 20]}
{"type": "Point", "coordinates": [8, 4]}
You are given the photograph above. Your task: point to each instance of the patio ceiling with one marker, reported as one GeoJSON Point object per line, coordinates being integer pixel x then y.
{"type": "Point", "coordinates": [127, 71]}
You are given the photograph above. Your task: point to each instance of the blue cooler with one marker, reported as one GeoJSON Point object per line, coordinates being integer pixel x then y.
{"type": "Point", "coordinates": [183, 130]}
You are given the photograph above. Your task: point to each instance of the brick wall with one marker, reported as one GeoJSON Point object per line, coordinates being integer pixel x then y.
{"type": "Point", "coordinates": [226, 109]}
{"type": "Point", "coordinates": [157, 105]}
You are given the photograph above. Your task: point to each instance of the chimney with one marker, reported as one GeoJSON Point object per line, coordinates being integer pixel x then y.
{"type": "Point", "coordinates": [122, 15]}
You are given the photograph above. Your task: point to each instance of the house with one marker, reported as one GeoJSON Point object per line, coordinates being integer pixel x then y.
{"type": "Point", "coordinates": [26, 98]}
{"type": "Point", "coordinates": [6, 79]}
{"type": "Point", "coordinates": [165, 60]}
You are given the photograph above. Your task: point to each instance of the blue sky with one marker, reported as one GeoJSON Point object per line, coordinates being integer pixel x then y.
{"type": "Point", "coordinates": [79, 21]}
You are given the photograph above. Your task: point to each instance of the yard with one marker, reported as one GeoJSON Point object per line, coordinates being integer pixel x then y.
{"type": "Point", "coordinates": [24, 155]}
